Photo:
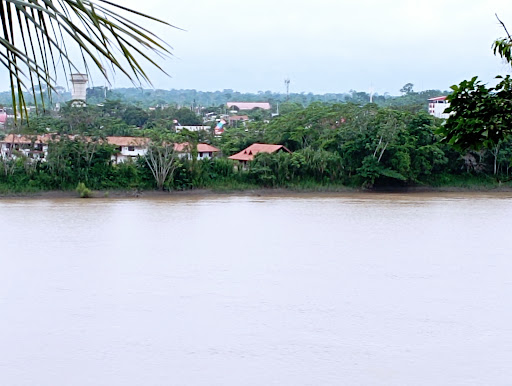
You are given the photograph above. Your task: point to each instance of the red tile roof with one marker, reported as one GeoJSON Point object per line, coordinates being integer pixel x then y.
{"type": "Point", "coordinates": [27, 139]}
{"type": "Point", "coordinates": [441, 98]}
{"type": "Point", "coordinates": [249, 153]}
{"type": "Point", "coordinates": [205, 148]}
{"type": "Point", "coordinates": [201, 148]}
{"type": "Point", "coordinates": [182, 147]}
{"type": "Point", "coordinates": [128, 141]}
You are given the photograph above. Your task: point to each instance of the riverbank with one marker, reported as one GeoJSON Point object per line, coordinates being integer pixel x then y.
{"type": "Point", "coordinates": [115, 194]}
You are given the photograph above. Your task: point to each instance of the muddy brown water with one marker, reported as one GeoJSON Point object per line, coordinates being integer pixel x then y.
{"type": "Point", "coordinates": [356, 289]}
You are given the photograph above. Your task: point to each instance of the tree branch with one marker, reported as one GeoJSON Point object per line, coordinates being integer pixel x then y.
{"type": "Point", "coordinates": [503, 25]}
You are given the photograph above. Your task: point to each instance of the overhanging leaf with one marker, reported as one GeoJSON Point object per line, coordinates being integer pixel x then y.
{"type": "Point", "coordinates": [35, 35]}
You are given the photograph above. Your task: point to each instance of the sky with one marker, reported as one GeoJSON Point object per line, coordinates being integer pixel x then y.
{"type": "Point", "coordinates": [324, 46]}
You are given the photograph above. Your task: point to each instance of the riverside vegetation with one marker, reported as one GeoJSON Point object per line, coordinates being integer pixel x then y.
{"type": "Point", "coordinates": [333, 146]}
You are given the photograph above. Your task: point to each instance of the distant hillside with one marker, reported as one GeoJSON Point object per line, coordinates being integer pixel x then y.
{"type": "Point", "coordinates": [192, 98]}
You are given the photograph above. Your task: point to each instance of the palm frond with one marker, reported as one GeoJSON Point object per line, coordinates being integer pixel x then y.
{"type": "Point", "coordinates": [35, 35]}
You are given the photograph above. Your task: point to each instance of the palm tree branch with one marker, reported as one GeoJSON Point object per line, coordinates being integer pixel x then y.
{"type": "Point", "coordinates": [97, 27]}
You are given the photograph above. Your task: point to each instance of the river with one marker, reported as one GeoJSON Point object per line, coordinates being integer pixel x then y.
{"type": "Point", "coordinates": [357, 289]}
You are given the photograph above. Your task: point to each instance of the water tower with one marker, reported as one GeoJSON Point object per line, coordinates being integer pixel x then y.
{"type": "Point", "coordinates": [79, 86]}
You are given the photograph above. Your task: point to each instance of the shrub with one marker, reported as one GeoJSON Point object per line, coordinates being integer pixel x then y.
{"type": "Point", "coordinates": [83, 190]}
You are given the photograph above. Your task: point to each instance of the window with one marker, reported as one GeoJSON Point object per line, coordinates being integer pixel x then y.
{"type": "Point", "coordinates": [131, 148]}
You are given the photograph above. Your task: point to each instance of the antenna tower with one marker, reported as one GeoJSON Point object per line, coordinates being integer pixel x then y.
{"type": "Point", "coordinates": [287, 84]}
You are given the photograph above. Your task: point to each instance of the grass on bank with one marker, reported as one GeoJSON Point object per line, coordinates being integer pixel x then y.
{"type": "Point", "coordinates": [467, 181]}
{"type": "Point", "coordinates": [226, 185]}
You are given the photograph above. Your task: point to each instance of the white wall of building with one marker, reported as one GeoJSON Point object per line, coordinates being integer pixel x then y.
{"type": "Point", "coordinates": [129, 152]}
{"type": "Point", "coordinates": [204, 155]}
{"type": "Point", "coordinates": [36, 151]}
{"type": "Point", "coordinates": [436, 108]}
{"type": "Point", "coordinates": [79, 82]}
{"type": "Point", "coordinates": [200, 155]}
{"type": "Point", "coordinates": [192, 128]}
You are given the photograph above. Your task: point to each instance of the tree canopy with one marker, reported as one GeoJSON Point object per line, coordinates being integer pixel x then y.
{"type": "Point", "coordinates": [481, 116]}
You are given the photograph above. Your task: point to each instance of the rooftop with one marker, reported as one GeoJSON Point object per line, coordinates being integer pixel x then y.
{"type": "Point", "coordinates": [441, 98]}
{"type": "Point", "coordinates": [127, 141]}
{"type": "Point", "coordinates": [249, 153]}
{"type": "Point", "coordinates": [249, 105]}
{"type": "Point", "coordinates": [201, 147]}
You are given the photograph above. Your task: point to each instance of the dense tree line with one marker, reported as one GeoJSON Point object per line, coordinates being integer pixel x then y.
{"type": "Point", "coordinates": [216, 100]}
{"type": "Point", "coordinates": [342, 144]}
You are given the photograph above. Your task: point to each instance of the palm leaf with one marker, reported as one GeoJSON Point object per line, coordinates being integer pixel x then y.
{"type": "Point", "coordinates": [35, 34]}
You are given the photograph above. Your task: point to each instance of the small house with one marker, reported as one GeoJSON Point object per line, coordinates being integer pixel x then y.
{"type": "Point", "coordinates": [436, 107]}
{"type": "Point", "coordinates": [248, 153]}
{"type": "Point", "coordinates": [204, 151]}
{"type": "Point", "coordinates": [31, 146]}
{"type": "Point", "coordinates": [128, 147]}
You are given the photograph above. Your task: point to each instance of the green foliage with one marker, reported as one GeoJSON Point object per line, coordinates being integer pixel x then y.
{"type": "Point", "coordinates": [333, 145]}
{"type": "Point", "coordinates": [481, 117]}
{"type": "Point", "coordinates": [407, 89]}
{"type": "Point", "coordinates": [70, 161]}
{"type": "Point", "coordinates": [372, 170]}
{"type": "Point", "coordinates": [83, 190]}
{"type": "Point", "coordinates": [503, 46]}
{"type": "Point", "coordinates": [135, 116]}
{"type": "Point", "coordinates": [187, 117]}
{"type": "Point", "coordinates": [161, 159]}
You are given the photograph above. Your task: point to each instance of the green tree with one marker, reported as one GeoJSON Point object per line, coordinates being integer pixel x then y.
{"type": "Point", "coordinates": [481, 117]}
{"type": "Point", "coordinates": [187, 117]}
{"type": "Point", "coordinates": [135, 116]}
{"type": "Point", "coordinates": [161, 159]}
{"type": "Point", "coordinates": [407, 89]}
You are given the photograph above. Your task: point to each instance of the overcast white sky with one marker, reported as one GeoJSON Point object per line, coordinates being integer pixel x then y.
{"type": "Point", "coordinates": [326, 45]}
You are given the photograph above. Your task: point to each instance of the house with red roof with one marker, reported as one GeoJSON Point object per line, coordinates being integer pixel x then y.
{"type": "Point", "coordinates": [204, 151]}
{"type": "Point", "coordinates": [133, 147]}
{"type": "Point", "coordinates": [31, 146]}
{"type": "Point", "coordinates": [128, 147]}
{"type": "Point", "coordinates": [235, 119]}
{"type": "Point", "coordinates": [248, 153]}
{"type": "Point", "coordinates": [436, 107]}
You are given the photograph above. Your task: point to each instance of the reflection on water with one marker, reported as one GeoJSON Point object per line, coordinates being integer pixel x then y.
{"type": "Point", "coordinates": [357, 289]}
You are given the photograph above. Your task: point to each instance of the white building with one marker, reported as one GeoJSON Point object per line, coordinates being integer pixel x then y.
{"type": "Point", "coordinates": [133, 147]}
{"type": "Point", "coordinates": [204, 151]}
{"type": "Point", "coordinates": [79, 82]}
{"type": "Point", "coordinates": [436, 107]}
{"type": "Point", "coordinates": [192, 128]}
{"type": "Point", "coordinates": [31, 146]}
{"type": "Point", "coordinates": [128, 148]}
